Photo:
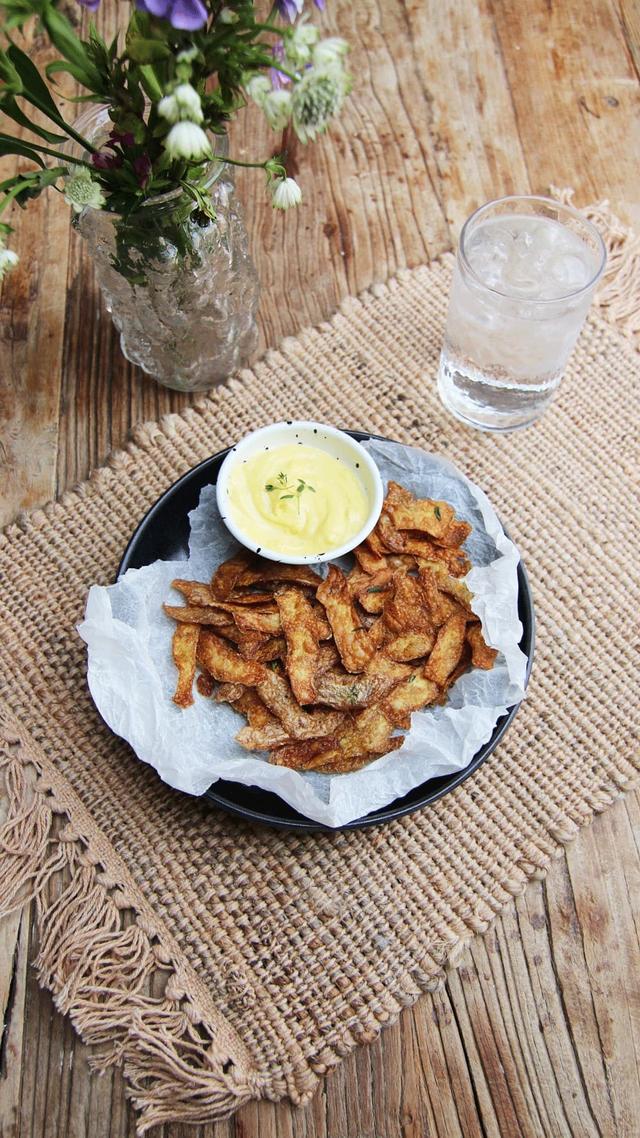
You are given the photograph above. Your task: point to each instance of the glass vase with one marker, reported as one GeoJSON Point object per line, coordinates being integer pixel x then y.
{"type": "Point", "coordinates": [181, 287]}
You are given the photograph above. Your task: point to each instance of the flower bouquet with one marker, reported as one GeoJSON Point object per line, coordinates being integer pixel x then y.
{"type": "Point", "coordinates": [146, 167]}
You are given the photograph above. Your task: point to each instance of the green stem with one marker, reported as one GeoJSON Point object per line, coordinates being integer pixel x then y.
{"type": "Point", "coordinates": [252, 165]}
{"type": "Point", "coordinates": [63, 157]}
{"type": "Point", "coordinates": [283, 71]}
{"type": "Point", "coordinates": [11, 194]}
{"type": "Point", "coordinates": [268, 27]}
{"type": "Point", "coordinates": [61, 123]}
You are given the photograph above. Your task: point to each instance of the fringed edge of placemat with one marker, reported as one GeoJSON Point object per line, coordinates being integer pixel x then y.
{"type": "Point", "coordinates": [182, 1060]}
{"type": "Point", "coordinates": [618, 296]}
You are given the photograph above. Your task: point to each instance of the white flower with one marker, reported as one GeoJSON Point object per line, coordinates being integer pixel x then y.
{"type": "Point", "coordinates": [329, 50]}
{"type": "Point", "coordinates": [188, 54]}
{"type": "Point", "coordinates": [228, 16]}
{"type": "Point", "coordinates": [81, 192]}
{"type": "Point", "coordinates": [188, 141]}
{"type": "Point", "coordinates": [8, 260]}
{"type": "Point", "coordinates": [257, 88]}
{"type": "Point", "coordinates": [285, 192]}
{"type": "Point", "coordinates": [277, 108]}
{"type": "Point", "coordinates": [299, 43]}
{"type": "Point", "coordinates": [317, 98]}
{"type": "Point", "coordinates": [182, 104]}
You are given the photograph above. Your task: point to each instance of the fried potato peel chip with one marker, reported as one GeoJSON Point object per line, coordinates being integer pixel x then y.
{"type": "Point", "coordinates": [275, 691]}
{"type": "Point", "coordinates": [205, 685]}
{"type": "Point", "coordinates": [326, 672]}
{"type": "Point", "coordinates": [447, 649]}
{"type": "Point", "coordinates": [410, 695]}
{"type": "Point", "coordinates": [183, 649]}
{"type": "Point", "coordinates": [227, 575]}
{"type": "Point", "coordinates": [348, 692]}
{"type": "Point", "coordinates": [369, 732]}
{"type": "Point", "coordinates": [482, 656]}
{"type": "Point", "coordinates": [271, 572]}
{"type": "Point", "coordinates": [224, 663]}
{"type": "Point", "coordinates": [423, 514]}
{"type": "Point", "coordinates": [351, 638]}
{"type": "Point", "coordinates": [196, 614]}
{"type": "Point", "coordinates": [301, 632]}
{"type": "Point", "coordinates": [410, 646]}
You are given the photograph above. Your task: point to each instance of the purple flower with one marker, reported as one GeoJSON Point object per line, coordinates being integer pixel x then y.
{"type": "Point", "coordinates": [92, 5]}
{"type": "Point", "coordinates": [289, 9]}
{"type": "Point", "coordinates": [126, 139]}
{"type": "Point", "coordinates": [142, 169]}
{"type": "Point", "coordinates": [187, 15]}
{"type": "Point", "coordinates": [104, 161]}
{"type": "Point", "coordinates": [278, 78]}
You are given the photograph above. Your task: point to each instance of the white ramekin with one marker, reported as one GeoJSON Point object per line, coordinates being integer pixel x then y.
{"type": "Point", "coordinates": [336, 443]}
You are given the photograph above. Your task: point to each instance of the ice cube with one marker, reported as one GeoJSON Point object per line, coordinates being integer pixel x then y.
{"type": "Point", "coordinates": [523, 244]}
{"type": "Point", "coordinates": [569, 271]}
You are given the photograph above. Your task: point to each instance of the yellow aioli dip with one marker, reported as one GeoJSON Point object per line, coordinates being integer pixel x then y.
{"type": "Point", "coordinates": [296, 500]}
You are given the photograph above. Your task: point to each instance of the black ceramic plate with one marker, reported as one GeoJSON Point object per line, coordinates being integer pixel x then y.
{"type": "Point", "coordinates": [163, 534]}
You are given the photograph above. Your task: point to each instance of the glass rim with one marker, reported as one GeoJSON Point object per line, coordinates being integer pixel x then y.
{"type": "Point", "coordinates": [568, 209]}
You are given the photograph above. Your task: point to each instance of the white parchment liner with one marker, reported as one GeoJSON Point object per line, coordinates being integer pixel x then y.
{"type": "Point", "coordinates": [132, 677]}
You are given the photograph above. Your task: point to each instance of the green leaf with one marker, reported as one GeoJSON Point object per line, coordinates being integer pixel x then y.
{"type": "Point", "coordinates": [9, 145]}
{"type": "Point", "coordinates": [12, 110]}
{"type": "Point", "coordinates": [150, 82]}
{"type": "Point", "coordinates": [60, 65]}
{"type": "Point", "coordinates": [9, 75]}
{"type": "Point", "coordinates": [35, 183]}
{"type": "Point", "coordinates": [65, 39]}
{"type": "Point", "coordinates": [147, 51]}
{"type": "Point", "coordinates": [34, 87]}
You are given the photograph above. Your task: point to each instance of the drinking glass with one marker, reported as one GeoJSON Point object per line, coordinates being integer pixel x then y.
{"type": "Point", "coordinates": [525, 274]}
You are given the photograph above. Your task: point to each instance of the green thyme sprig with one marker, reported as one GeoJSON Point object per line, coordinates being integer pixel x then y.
{"type": "Point", "coordinates": [291, 491]}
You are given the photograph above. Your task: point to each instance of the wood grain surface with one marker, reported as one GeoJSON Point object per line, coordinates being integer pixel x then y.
{"type": "Point", "coordinates": [537, 1033]}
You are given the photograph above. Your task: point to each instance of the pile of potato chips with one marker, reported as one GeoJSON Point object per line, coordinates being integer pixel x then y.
{"type": "Point", "coordinates": [327, 670]}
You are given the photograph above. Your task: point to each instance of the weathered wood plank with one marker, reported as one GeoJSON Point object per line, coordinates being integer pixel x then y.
{"type": "Point", "coordinates": [537, 1034]}
{"type": "Point", "coordinates": [576, 96]}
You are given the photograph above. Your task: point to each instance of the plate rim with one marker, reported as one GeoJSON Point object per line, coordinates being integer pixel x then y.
{"type": "Point", "coordinates": [299, 823]}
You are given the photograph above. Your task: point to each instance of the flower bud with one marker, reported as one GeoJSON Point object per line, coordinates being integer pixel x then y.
{"type": "Point", "coordinates": [277, 108]}
{"type": "Point", "coordinates": [188, 141]}
{"type": "Point", "coordinates": [183, 104]}
{"type": "Point", "coordinates": [285, 192]}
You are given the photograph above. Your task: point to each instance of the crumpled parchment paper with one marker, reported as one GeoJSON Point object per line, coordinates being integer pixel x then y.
{"type": "Point", "coordinates": [132, 677]}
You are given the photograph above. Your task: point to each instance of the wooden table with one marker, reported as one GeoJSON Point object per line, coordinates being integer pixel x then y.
{"type": "Point", "coordinates": [455, 102]}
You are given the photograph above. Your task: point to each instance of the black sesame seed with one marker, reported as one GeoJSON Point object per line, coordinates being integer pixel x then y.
{"type": "Point", "coordinates": [258, 549]}
{"type": "Point", "coordinates": [357, 465]}
{"type": "Point", "coordinates": [315, 430]}
{"type": "Point", "coordinates": [289, 422]}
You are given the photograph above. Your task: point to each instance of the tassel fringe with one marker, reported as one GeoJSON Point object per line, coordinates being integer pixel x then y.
{"type": "Point", "coordinates": [100, 967]}
{"type": "Point", "coordinates": [618, 296]}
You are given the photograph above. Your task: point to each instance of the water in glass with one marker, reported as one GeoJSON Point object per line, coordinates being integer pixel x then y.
{"type": "Point", "coordinates": [522, 286]}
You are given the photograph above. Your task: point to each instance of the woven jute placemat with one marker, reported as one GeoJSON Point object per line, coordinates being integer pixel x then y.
{"type": "Point", "coordinates": [219, 962]}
